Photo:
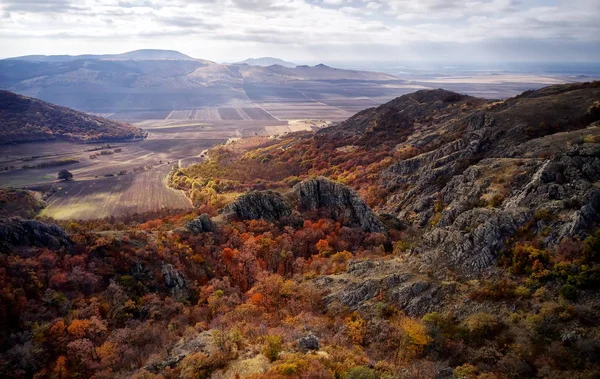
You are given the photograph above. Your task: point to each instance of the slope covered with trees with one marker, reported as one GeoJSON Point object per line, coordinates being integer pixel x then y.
{"type": "Point", "coordinates": [485, 262]}
{"type": "Point", "coordinates": [24, 119]}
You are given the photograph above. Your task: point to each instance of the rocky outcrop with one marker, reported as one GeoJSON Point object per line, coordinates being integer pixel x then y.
{"type": "Point", "coordinates": [428, 173]}
{"type": "Point", "coordinates": [368, 282]}
{"type": "Point", "coordinates": [558, 198]}
{"type": "Point", "coordinates": [268, 205]}
{"type": "Point", "coordinates": [175, 281]}
{"type": "Point", "coordinates": [16, 232]}
{"type": "Point", "coordinates": [201, 224]}
{"type": "Point", "coordinates": [474, 240]}
{"type": "Point", "coordinates": [309, 342]}
{"type": "Point", "coordinates": [338, 202]}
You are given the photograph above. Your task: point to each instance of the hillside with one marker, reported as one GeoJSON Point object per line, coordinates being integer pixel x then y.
{"type": "Point", "coordinates": [436, 236]}
{"type": "Point", "coordinates": [24, 119]}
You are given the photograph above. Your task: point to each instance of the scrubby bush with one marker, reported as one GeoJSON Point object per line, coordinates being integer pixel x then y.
{"type": "Point", "coordinates": [360, 373]}
{"type": "Point", "coordinates": [569, 292]}
{"type": "Point", "coordinates": [272, 347]}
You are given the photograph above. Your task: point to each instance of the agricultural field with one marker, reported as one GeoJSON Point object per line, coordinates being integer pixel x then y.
{"type": "Point", "coordinates": [114, 196]}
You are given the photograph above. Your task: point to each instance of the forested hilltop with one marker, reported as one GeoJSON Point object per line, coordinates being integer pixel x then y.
{"type": "Point", "coordinates": [436, 236]}
{"type": "Point", "coordinates": [24, 119]}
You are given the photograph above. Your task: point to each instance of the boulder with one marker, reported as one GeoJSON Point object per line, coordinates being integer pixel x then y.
{"type": "Point", "coordinates": [201, 224]}
{"type": "Point", "coordinates": [309, 342]}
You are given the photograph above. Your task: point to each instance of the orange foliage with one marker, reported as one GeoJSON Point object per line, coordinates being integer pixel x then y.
{"type": "Point", "coordinates": [257, 299]}
{"type": "Point", "coordinates": [60, 367]}
{"type": "Point", "coordinates": [356, 328]}
{"type": "Point", "coordinates": [79, 328]}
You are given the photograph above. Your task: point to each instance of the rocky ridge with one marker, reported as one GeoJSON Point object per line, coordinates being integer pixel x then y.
{"type": "Point", "coordinates": [335, 200]}
{"type": "Point", "coordinates": [16, 232]}
{"type": "Point", "coordinates": [482, 176]}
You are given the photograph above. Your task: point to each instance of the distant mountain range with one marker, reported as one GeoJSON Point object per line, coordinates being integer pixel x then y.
{"type": "Point", "coordinates": [147, 54]}
{"type": "Point", "coordinates": [156, 80]}
{"type": "Point", "coordinates": [267, 61]}
{"type": "Point", "coordinates": [24, 119]}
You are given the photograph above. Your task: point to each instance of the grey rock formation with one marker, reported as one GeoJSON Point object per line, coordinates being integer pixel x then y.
{"type": "Point", "coordinates": [338, 201]}
{"type": "Point", "coordinates": [425, 173]}
{"type": "Point", "coordinates": [559, 195]}
{"type": "Point", "coordinates": [16, 232]}
{"type": "Point", "coordinates": [474, 240]}
{"type": "Point", "coordinates": [309, 342]}
{"type": "Point", "coordinates": [175, 281]}
{"type": "Point", "coordinates": [268, 205]}
{"type": "Point", "coordinates": [421, 296]}
{"type": "Point", "coordinates": [201, 224]}
{"type": "Point", "coordinates": [366, 282]}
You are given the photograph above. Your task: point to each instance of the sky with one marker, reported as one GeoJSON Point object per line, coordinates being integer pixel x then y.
{"type": "Point", "coordinates": [309, 30]}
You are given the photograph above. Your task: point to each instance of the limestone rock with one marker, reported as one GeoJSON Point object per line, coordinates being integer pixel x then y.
{"type": "Point", "coordinates": [474, 240]}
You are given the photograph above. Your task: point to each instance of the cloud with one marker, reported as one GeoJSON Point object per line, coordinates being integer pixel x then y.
{"type": "Point", "coordinates": [35, 6]}
{"type": "Point", "coordinates": [299, 26]}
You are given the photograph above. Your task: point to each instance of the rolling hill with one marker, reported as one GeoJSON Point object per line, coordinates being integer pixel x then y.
{"type": "Point", "coordinates": [149, 84]}
{"type": "Point", "coordinates": [24, 119]}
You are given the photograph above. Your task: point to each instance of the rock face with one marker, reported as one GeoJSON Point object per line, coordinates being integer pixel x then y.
{"type": "Point", "coordinates": [339, 201]}
{"type": "Point", "coordinates": [473, 241]}
{"type": "Point", "coordinates": [391, 221]}
{"type": "Point", "coordinates": [16, 232]}
{"type": "Point", "coordinates": [558, 197]}
{"type": "Point", "coordinates": [268, 205]}
{"type": "Point", "coordinates": [175, 281]}
{"type": "Point", "coordinates": [201, 224]}
{"type": "Point", "coordinates": [336, 200]}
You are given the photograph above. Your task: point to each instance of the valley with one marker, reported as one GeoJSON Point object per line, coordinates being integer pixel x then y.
{"type": "Point", "coordinates": [122, 178]}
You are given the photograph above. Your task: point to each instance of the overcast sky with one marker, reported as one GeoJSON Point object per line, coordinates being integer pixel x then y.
{"type": "Point", "coordinates": [309, 30]}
